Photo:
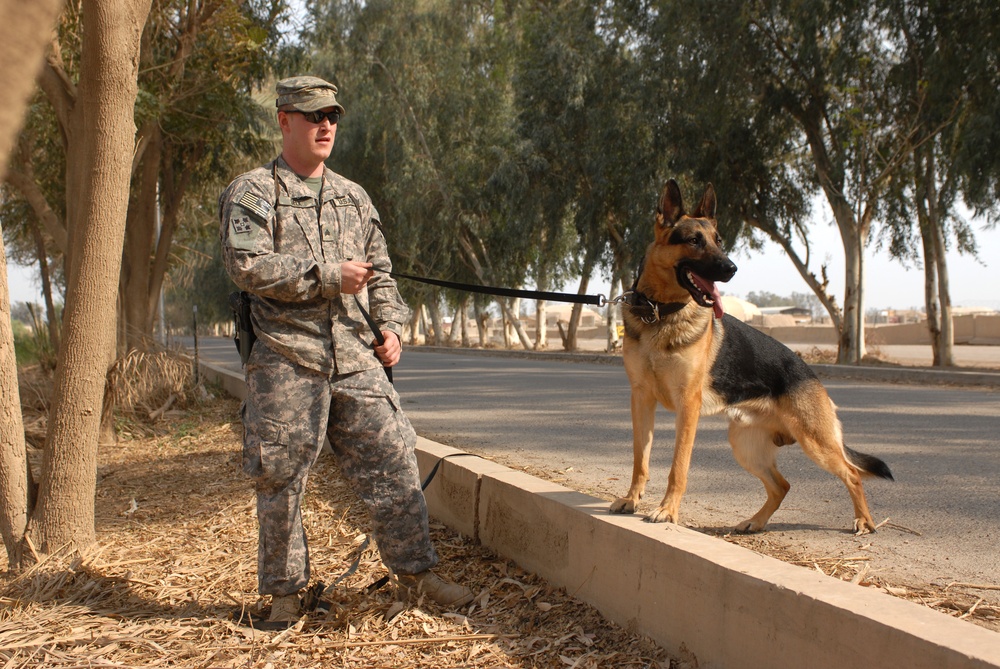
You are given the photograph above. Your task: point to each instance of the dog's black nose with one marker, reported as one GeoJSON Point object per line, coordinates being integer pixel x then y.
{"type": "Point", "coordinates": [724, 270]}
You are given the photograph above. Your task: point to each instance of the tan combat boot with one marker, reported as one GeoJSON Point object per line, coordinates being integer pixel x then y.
{"type": "Point", "coordinates": [442, 592]}
{"type": "Point", "coordinates": [285, 609]}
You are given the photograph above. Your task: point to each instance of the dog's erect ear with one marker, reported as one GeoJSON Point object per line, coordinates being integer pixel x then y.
{"type": "Point", "coordinates": [706, 208]}
{"type": "Point", "coordinates": [671, 207]}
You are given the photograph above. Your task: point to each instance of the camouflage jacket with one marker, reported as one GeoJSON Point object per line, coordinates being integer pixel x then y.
{"type": "Point", "coordinates": [275, 247]}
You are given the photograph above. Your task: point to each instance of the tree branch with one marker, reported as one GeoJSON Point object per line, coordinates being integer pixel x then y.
{"type": "Point", "coordinates": [58, 88]}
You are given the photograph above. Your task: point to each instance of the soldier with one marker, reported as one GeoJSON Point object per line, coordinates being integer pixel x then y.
{"type": "Point", "coordinates": [304, 242]}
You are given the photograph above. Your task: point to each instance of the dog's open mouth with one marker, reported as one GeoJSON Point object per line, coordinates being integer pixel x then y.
{"type": "Point", "coordinates": [702, 290]}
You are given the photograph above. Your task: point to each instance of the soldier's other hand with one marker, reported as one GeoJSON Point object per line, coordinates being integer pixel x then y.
{"type": "Point", "coordinates": [354, 275]}
{"type": "Point", "coordinates": [391, 350]}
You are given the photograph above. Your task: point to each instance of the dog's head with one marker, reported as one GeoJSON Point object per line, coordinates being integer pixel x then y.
{"type": "Point", "coordinates": [690, 246]}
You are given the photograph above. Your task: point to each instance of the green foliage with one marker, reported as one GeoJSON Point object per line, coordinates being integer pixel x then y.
{"type": "Point", "coordinates": [538, 135]}
{"type": "Point", "coordinates": [200, 282]}
{"type": "Point", "coordinates": [31, 338]}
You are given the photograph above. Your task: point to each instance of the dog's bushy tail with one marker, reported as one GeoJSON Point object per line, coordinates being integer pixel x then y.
{"type": "Point", "coordinates": [868, 464]}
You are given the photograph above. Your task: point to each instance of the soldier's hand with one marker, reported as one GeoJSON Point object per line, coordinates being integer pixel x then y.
{"type": "Point", "coordinates": [389, 352]}
{"type": "Point", "coordinates": [354, 275]}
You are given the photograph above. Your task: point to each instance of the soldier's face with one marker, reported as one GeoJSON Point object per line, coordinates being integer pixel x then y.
{"type": "Point", "coordinates": [309, 143]}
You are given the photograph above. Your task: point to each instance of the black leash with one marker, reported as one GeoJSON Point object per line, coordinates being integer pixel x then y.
{"type": "Point", "coordinates": [597, 300]}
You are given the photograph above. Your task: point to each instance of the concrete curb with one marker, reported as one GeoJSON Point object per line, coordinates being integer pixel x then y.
{"type": "Point", "coordinates": [706, 602]}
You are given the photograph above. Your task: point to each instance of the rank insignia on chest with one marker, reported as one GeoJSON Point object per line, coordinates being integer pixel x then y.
{"type": "Point", "coordinates": [327, 233]}
{"type": "Point", "coordinates": [255, 204]}
{"type": "Point", "coordinates": [242, 225]}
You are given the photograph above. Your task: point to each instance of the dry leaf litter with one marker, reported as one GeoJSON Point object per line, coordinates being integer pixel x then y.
{"type": "Point", "coordinates": [176, 555]}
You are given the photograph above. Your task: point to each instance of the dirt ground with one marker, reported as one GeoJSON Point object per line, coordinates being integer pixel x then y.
{"type": "Point", "coordinates": [176, 557]}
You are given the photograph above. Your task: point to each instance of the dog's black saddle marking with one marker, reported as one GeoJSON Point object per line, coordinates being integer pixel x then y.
{"type": "Point", "coordinates": [751, 364]}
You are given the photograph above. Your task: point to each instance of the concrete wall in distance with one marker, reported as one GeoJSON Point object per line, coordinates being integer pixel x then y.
{"type": "Point", "coordinates": [976, 330]}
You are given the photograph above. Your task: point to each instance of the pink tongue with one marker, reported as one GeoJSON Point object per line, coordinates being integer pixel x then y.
{"type": "Point", "coordinates": [709, 287]}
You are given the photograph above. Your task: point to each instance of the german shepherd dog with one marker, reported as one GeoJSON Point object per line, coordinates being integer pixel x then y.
{"type": "Point", "coordinates": [682, 351]}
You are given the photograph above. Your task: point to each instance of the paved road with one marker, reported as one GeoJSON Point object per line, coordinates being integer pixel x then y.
{"type": "Point", "coordinates": [569, 421]}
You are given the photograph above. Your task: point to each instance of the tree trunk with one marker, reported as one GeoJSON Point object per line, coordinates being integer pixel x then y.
{"type": "Point", "coordinates": [541, 327]}
{"type": "Point", "coordinates": [851, 349]}
{"type": "Point", "coordinates": [25, 31]}
{"type": "Point", "coordinates": [140, 231]}
{"type": "Point", "coordinates": [465, 322]}
{"type": "Point", "coordinates": [922, 204]}
{"type": "Point", "coordinates": [437, 324]}
{"type": "Point", "coordinates": [931, 291]}
{"type": "Point", "coordinates": [99, 166]}
{"type": "Point", "coordinates": [541, 310]}
{"type": "Point", "coordinates": [415, 324]}
{"type": "Point", "coordinates": [944, 343]}
{"type": "Point", "coordinates": [51, 317]}
{"type": "Point", "coordinates": [569, 342]}
{"type": "Point", "coordinates": [482, 318]}
{"type": "Point", "coordinates": [457, 323]}
{"type": "Point", "coordinates": [944, 354]}
{"type": "Point", "coordinates": [13, 457]}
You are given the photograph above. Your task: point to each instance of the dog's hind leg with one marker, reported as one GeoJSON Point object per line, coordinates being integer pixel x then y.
{"type": "Point", "coordinates": [643, 420]}
{"type": "Point", "coordinates": [828, 453]}
{"type": "Point", "coordinates": [754, 448]}
{"type": "Point", "coordinates": [821, 436]}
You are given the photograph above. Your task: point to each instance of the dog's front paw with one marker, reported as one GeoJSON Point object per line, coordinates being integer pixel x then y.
{"type": "Point", "coordinates": [749, 527]}
{"type": "Point", "coordinates": [662, 515]}
{"type": "Point", "coordinates": [623, 505]}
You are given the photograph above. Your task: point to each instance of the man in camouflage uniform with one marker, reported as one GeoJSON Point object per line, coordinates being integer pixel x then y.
{"type": "Point", "coordinates": [304, 242]}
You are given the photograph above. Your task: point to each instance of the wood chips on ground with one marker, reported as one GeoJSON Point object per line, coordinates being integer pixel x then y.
{"type": "Point", "coordinates": [176, 555]}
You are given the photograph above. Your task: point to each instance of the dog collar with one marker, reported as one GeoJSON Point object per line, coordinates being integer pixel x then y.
{"type": "Point", "coordinates": [647, 310]}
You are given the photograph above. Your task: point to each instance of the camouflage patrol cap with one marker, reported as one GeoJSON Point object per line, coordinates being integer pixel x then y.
{"type": "Point", "coordinates": [306, 94]}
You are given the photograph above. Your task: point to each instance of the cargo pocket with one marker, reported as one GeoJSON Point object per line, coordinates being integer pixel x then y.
{"type": "Point", "coordinates": [407, 435]}
{"type": "Point", "coordinates": [265, 454]}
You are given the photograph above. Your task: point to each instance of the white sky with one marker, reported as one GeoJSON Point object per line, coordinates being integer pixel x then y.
{"type": "Point", "coordinates": [888, 284]}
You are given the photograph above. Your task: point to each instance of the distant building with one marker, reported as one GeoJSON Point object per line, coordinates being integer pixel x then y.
{"type": "Point", "coordinates": [788, 310]}
{"type": "Point", "coordinates": [739, 309]}
{"type": "Point", "coordinates": [589, 318]}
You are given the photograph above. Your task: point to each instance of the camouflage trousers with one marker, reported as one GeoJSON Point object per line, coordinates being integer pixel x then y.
{"type": "Point", "coordinates": [288, 410]}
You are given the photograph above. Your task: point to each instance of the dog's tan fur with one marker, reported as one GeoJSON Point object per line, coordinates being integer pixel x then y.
{"type": "Point", "coordinates": [672, 360]}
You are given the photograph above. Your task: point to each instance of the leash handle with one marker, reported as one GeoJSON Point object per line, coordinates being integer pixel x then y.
{"type": "Point", "coordinates": [379, 339]}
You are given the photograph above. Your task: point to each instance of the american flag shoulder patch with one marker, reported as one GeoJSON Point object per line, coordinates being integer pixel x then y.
{"type": "Point", "coordinates": [255, 204]}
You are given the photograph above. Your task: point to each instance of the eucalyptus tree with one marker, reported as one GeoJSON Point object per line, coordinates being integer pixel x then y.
{"type": "Point", "coordinates": [24, 32]}
{"type": "Point", "coordinates": [96, 112]}
{"type": "Point", "coordinates": [197, 117]}
{"type": "Point", "coordinates": [821, 68]}
{"type": "Point", "coordinates": [588, 155]}
{"type": "Point", "coordinates": [946, 89]}
{"type": "Point", "coordinates": [428, 107]}
{"type": "Point", "coordinates": [199, 63]}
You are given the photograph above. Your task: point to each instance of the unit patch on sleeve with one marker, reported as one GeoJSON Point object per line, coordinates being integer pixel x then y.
{"type": "Point", "coordinates": [243, 231]}
{"type": "Point", "coordinates": [255, 204]}
{"type": "Point", "coordinates": [242, 225]}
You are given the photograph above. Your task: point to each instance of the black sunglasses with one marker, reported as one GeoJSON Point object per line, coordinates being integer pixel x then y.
{"type": "Point", "coordinates": [318, 116]}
